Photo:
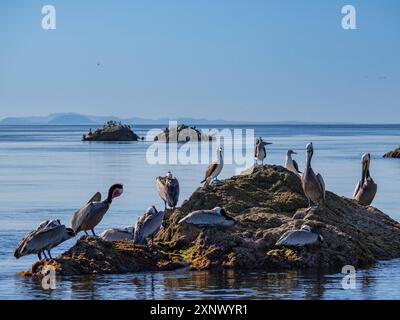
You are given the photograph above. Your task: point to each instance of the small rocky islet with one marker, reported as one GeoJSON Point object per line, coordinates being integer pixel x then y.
{"type": "Point", "coordinates": [181, 134]}
{"type": "Point", "coordinates": [266, 202]}
{"type": "Point", "coordinates": [112, 131]}
{"type": "Point", "coordinates": [393, 154]}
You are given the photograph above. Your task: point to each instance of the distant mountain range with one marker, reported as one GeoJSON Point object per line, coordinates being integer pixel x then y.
{"type": "Point", "coordinates": [81, 119]}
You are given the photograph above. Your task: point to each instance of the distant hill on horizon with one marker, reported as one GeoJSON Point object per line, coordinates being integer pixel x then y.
{"type": "Point", "coordinates": [81, 119]}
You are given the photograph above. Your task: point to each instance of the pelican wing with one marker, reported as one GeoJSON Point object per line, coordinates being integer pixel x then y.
{"type": "Point", "coordinates": [21, 245]}
{"type": "Point", "coordinates": [297, 238]}
{"type": "Point", "coordinates": [161, 187]}
{"type": "Point", "coordinates": [116, 234]}
{"type": "Point", "coordinates": [85, 214]}
{"type": "Point", "coordinates": [283, 237]}
{"type": "Point", "coordinates": [204, 218]}
{"type": "Point", "coordinates": [152, 223]}
{"type": "Point", "coordinates": [43, 239]}
{"type": "Point", "coordinates": [147, 225]}
{"type": "Point", "coordinates": [321, 184]}
{"type": "Point", "coordinates": [296, 166]}
{"type": "Point", "coordinates": [210, 169]}
{"type": "Point", "coordinates": [256, 148]}
{"type": "Point", "coordinates": [357, 189]}
{"type": "Point", "coordinates": [96, 198]}
{"type": "Point", "coordinates": [172, 192]}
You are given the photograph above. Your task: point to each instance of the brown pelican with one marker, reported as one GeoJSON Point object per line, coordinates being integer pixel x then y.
{"type": "Point", "coordinates": [214, 217]}
{"type": "Point", "coordinates": [91, 214]}
{"type": "Point", "coordinates": [313, 184]}
{"type": "Point", "coordinates": [43, 239]}
{"type": "Point", "coordinates": [168, 189]}
{"type": "Point", "coordinates": [214, 169]}
{"type": "Point", "coordinates": [366, 188]}
{"type": "Point", "coordinates": [260, 152]}
{"type": "Point", "coordinates": [299, 238]}
{"type": "Point", "coordinates": [147, 225]}
{"type": "Point", "coordinates": [291, 164]}
{"type": "Point", "coordinates": [115, 234]}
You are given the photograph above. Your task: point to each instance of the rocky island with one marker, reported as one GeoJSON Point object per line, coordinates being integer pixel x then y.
{"type": "Point", "coordinates": [111, 131]}
{"type": "Point", "coordinates": [182, 134]}
{"type": "Point", "coordinates": [265, 202]}
{"type": "Point", "coordinates": [393, 154]}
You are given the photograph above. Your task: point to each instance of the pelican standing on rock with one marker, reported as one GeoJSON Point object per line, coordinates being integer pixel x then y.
{"type": "Point", "coordinates": [214, 217]}
{"type": "Point", "coordinates": [168, 189]}
{"type": "Point", "coordinates": [299, 238]}
{"type": "Point", "coordinates": [366, 188]}
{"type": "Point", "coordinates": [291, 164]}
{"type": "Point", "coordinates": [260, 153]}
{"type": "Point", "coordinates": [43, 239]}
{"type": "Point", "coordinates": [93, 212]}
{"type": "Point", "coordinates": [313, 184]}
{"type": "Point", "coordinates": [147, 225]}
{"type": "Point", "coordinates": [214, 169]}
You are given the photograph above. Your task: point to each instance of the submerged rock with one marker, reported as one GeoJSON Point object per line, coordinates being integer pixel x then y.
{"type": "Point", "coordinates": [182, 134]}
{"type": "Point", "coordinates": [263, 202]}
{"type": "Point", "coordinates": [111, 131]}
{"type": "Point", "coordinates": [392, 154]}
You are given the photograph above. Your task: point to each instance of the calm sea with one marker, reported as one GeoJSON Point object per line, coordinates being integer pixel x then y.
{"type": "Point", "coordinates": [47, 172]}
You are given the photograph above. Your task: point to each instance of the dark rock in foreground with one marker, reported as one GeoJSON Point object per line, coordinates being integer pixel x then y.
{"type": "Point", "coordinates": [92, 255]}
{"type": "Point", "coordinates": [112, 131]}
{"type": "Point", "coordinates": [263, 202]}
{"type": "Point", "coordinates": [392, 154]}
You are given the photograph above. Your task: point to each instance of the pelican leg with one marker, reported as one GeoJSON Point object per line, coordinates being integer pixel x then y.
{"type": "Point", "coordinates": [39, 256]}
{"type": "Point", "coordinates": [86, 232]}
{"type": "Point", "coordinates": [48, 251]}
{"type": "Point", "coordinates": [44, 253]}
{"type": "Point", "coordinates": [165, 205]}
{"type": "Point", "coordinates": [93, 232]}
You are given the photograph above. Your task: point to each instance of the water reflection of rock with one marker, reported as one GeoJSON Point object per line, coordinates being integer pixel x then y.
{"type": "Point", "coordinates": [228, 284]}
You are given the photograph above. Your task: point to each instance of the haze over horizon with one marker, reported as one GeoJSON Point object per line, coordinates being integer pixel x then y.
{"type": "Point", "coordinates": [261, 61]}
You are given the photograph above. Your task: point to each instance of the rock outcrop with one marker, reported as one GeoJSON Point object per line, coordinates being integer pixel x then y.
{"type": "Point", "coordinates": [92, 255]}
{"type": "Point", "coordinates": [182, 134]}
{"type": "Point", "coordinates": [112, 131]}
{"type": "Point", "coordinates": [266, 202]}
{"type": "Point", "coordinates": [393, 154]}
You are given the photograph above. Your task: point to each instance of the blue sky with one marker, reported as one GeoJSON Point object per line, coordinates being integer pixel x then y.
{"type": "Point", "coordinates": [232, 59]}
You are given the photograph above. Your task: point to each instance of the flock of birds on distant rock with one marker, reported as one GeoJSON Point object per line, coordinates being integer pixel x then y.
{"type": "Point", "coordinates": [51, 233]}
